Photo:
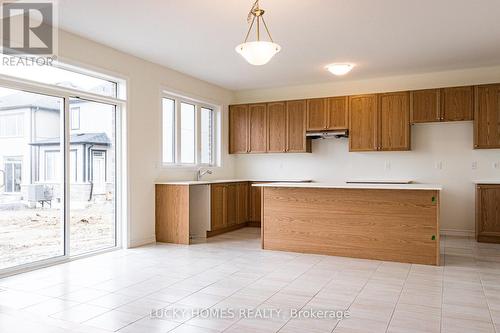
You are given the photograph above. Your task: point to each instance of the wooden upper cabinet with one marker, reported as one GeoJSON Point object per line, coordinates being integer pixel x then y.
{"type": "Point", "coordinates": [394, 121]}
{"type": "Point", "coordinates": [487, 116]}
{"type": "Point", "coordinates": [238, 129]}
{"type": "Point", "coordinates": [363, 123]}
{"type": "Point", "coordinates": [257, 128]}
{"type": "Point", "coordinates": [317, 114]}
{"type": "Point", "coordinates": [276, 125]}
{"type": "Point", "coordinates": [425, 106]}
{"type": "Point", "coordinates": [488, 213]}
{"type": "Point", "coordinates": [338, 116]}
{"type": "Point", "coordinates": [457, 103]}
{"type": "Point", "coordinates": [296, 127]}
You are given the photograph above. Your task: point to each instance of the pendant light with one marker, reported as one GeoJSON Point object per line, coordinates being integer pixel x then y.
{"type": "Point", "coordinates": [257, 52]}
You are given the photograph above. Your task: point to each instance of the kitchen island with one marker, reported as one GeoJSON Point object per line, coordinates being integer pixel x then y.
{"type": "Point", "coordinates": [393, 222]}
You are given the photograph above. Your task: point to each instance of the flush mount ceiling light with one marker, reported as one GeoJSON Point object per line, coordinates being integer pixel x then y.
{"type": "Point", "coordinates": [257, 52]}
{"type": "Point", "coordinates": [339, 69]}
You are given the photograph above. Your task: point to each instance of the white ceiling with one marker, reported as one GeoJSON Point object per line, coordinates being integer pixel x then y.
{"type": "Point", "coordinates": [382, 37]}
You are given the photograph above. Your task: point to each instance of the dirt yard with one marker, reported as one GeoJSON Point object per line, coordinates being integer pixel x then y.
{"type": "Point", "coordinates": [29, 235]}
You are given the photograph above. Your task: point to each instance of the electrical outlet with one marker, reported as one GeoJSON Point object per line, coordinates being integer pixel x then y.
{"type": "Point", "coordinates": [387, 165]}
{"type": "Point", "coordinates": [496, 165]}
{"type": "Point", "coordinates": [474, 165]}
{"type": "Point", "coordinates": [439, 165]}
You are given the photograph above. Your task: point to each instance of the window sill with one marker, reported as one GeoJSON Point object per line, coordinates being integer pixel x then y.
{"type": "Point", "coordinates": [187, 166]}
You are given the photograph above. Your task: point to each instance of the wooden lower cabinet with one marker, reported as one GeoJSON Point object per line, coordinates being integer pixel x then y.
{"type": "Point", "coordinates": [218, 219]}
{"type": "Point", "coordinates": [488, 213]}
{"type": "Point", "coordinates": [229, 204]}
{"type": "Point", "coordinates": [255, 204]}
{"type": "Point", "coordinates": [242, 202]}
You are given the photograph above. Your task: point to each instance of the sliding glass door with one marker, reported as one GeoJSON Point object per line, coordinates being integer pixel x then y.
{"type": "Point", "coordinates": [31, 178]}
{"type": "Point", "coordinates": [93, 177]}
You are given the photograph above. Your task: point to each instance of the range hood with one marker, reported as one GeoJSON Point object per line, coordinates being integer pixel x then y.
{"type": "Point", "coordinates": [328, 134]}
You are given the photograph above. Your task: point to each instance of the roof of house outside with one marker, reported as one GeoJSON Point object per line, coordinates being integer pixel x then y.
{"type": "Point", "coordinates": [83, 138]}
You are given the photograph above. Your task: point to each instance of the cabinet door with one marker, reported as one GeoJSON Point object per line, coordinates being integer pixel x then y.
{"type": "Point", "coordinates": [242, 195]}
{"type": "Point", "coordinates": [276, 123]}
{"type": "Point", "coordinates": [258, 128]}
{"type": "Point", "coordinates": [296, 129]}
{"type": "Point", "coordinates": [488, 213]}
{"type": "Point", "coordinates": [425, 106]}
{"type": "Point", "coordinates": [487, 117]}
{"type": "Point", "coordinates": [255, 203]}
{"type": "Point", "coordinates": [317, 114]}
{"type": "Point", "coordinates": [394, 120]}
{"type": "Point", "coordinates": [217, 207]}
{"type": "Point", "coordinates": [363, 123]}
{"type": "Point", "coordinates": [457, 103]}
{"type": "Point", "coordinates": [338, 117]}
{"type": "Point", "coordinates": [231, 204]}
{"type": "Point", "coordinates": [238, 129]}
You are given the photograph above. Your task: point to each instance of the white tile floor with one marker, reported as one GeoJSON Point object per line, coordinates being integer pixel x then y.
{"type": "Point", "coordinates": [117, 291]}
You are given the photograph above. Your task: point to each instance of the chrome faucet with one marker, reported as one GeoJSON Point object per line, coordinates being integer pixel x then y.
{"type": "Point", "coordinates": [200, 173]}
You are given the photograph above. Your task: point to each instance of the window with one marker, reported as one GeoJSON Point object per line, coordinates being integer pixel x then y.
{"type": "Point", "coordinates": [189, 133]}
{"type": "Point", "coordinates": [13, 174]}
{"type": "Point", "coordinates": [58, 75]}
{"type": "Point", "coordinates": [206, 143]}
{"type": "Point", "coordinates": [168, 130]}
{"type": "Point", "coordinates": [52, 166]}
{"type": "Point", "coordinates": [11, 125]}
{"type": "Point", "coordinates": [75, 118]}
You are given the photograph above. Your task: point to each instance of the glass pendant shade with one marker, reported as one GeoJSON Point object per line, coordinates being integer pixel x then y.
{"type": "Point", "coordinates": [258, 53]}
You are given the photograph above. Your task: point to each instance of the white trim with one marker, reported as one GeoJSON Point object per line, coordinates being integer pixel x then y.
{"type": "Point", "coordinates": [142, 241]}
{"type": "Point", "coordinates": [457, 232]}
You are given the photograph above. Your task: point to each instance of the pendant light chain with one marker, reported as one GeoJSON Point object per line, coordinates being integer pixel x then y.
{"type": "Point", "coordinates": [256, 12]}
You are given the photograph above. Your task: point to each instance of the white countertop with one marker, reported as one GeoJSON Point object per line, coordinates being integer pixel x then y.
{"type": "Point", "coordinates": [219, 181]}
{"type": "Point", "coordinates": [487, 182]}
{"type": "Point", "coordinates": [433, 187]}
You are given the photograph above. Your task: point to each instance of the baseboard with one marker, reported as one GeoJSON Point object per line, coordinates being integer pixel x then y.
{"type": "Point", "coordinates": [457, 232]}
{"type": "Point", "coordinates": [141, 242]}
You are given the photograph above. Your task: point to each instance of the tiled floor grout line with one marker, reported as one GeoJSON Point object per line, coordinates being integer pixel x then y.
{"type": "Point", "coordinates": [310, 299]}
{"type": "Point", "coordinates": [194, 292]}
{"type": "Point", "coordinates": [274, 295]}
{"type": "Point", "coordinates": [359, 292]}
{"type": "Point", "coordinates": [487, 301]}
{"type": "Point", "coordinates": [399, 297]}
{"type": "Point", "coordinates": [442, 284]}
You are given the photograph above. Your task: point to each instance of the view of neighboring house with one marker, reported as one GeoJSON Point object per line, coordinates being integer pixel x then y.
{"type": "Point", "coordinates": [30, 144]}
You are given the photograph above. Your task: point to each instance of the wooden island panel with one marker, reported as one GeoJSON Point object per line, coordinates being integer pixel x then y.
{"type": "Point", "coordinates": [392, 225]}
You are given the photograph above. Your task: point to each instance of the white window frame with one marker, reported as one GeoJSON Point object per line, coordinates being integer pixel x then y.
{"type": "Point", "coordinates": [122, 236]}
{"type": "Point", "coordinates": [177, 133]}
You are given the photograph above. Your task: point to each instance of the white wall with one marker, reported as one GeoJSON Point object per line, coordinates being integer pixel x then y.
{"type": "Point", "coordinates": [447, 143]}
{"type": "Point", "coordinates": [143, 117]}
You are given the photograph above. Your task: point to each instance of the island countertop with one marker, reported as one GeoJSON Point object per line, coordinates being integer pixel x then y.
{"type": "Point", "coordinates": [413, 186]}
{"type": "Point", "coordinates": [221, 181]}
